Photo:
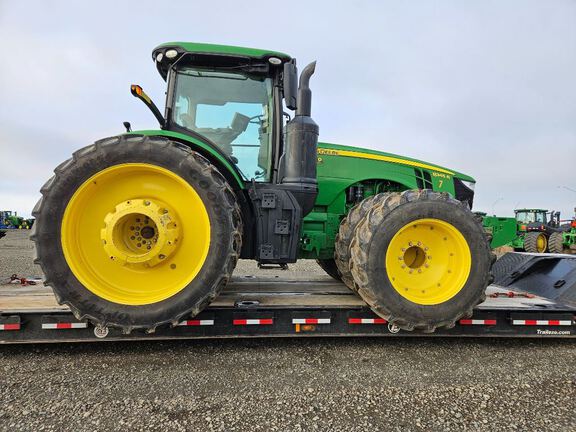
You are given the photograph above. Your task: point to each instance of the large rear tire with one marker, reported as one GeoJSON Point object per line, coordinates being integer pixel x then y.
{"type": "Point", "coordinates": [137, 232]}
{"type": "Point", "coordinates": [535, 242]}
{"type": "Point", "coordinates": [346, 234]}
{"type": "Point", "coordinates": [556, 243]}
{"type": "Point", "coordinates": [421, 260]}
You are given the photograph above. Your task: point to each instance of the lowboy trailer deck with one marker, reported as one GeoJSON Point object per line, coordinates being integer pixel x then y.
{"type": "Point", "coordinates": [268, 307]}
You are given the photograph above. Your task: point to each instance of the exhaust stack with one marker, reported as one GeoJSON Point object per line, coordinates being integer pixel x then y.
{"type": "Point", "coordinates": [301, 146]}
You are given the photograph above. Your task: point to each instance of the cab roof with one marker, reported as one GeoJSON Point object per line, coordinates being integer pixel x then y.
{"type": "Point", "coordinates": [531, 210]}
{"type": "Point", "coordinates": [212, 49]}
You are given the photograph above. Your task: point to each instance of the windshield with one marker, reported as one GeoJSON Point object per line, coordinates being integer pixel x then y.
{"type": "Point", "coordinates": [232, 110]}
{"type": "Point", "coordinates": [530, 217]}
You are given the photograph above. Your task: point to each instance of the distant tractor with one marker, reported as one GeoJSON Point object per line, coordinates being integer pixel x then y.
{"type": "Point", "coordinates": [11, 220]}
{"type": "Point", "coordinates": [534, 228]}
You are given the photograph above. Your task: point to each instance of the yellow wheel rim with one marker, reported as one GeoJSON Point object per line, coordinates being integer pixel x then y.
{"type": "Point", "coordinates": [541, 243]}
{"type": "Point", "coordinates": [135, 234]}
{"type": "Point", "coordinates": [428, 261]}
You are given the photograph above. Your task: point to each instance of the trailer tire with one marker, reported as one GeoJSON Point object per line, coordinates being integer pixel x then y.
{"type": "Point", "coordinates": [428, 241]}
{"type": "Point", "coordinates": [346, 234]}
{"type": "Point", "coordinates": [556, 243]}
{"type": "Point", "coordinates": [535, 242]}
{"type": "Point", "coordinates": [187, 232]}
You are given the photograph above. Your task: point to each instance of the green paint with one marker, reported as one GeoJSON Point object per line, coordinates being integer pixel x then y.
{"type": "Point", "coordinates": [503, 230]}
{"type": "Point", "coordinates": [195, 144]}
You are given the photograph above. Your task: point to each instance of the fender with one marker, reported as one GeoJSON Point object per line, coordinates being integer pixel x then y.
{"type": "Point", "coordinates": [214, 155]}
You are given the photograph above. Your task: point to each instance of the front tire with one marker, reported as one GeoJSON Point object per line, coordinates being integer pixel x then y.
{"type": "Point", "coordinates": [329, 266]}
{"type": "Point", "coordinates": [346, 234]}
{"type": "Point", "coordinates": [421, 260]}
{"type": "Point", "coordinates": [137, 232]}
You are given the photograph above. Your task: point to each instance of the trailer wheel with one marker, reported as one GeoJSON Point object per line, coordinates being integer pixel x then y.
{"type": "Point", "coordinates": [535, 242]}
{"type": "Point", "coordinates": [421, 260]}
{"type": "Point", "coordinates": [137, 232]}
{"type": "Point", "coordinates": [556, 243]}
{"type": "Point", "coordinates": [329, 266]}
{"type": "Point", "coordinates": [346, 234]}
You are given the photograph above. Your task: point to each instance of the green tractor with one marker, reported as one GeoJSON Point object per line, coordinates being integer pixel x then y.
{"type": "Point", "coordinates": [152, 222]}
{"type": "Point", "coordinates": [11, 220]}
{"type": "Point", "coordinates": [535, 228]}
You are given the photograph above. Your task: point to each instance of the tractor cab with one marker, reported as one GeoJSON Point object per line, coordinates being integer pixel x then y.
{"type": "Point", "coordinates": [539, 220]}
{"type": "Point", "coordinates": [231, 97]}
{"type": "Point", "coordinates": [531, 219]}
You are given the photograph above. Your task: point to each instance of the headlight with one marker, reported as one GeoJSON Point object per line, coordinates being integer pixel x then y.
{"type": "Point", "coordinates": [171, 53]}
{"type": "Point", "coordinates": [470, 185]}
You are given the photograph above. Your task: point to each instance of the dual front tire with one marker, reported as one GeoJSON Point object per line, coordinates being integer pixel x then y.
{"type": "Point", "coordinates": [420, 259]}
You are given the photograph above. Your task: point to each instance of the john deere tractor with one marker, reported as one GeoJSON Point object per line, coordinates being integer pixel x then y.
{"type": "Point", "coordinates": [534, 229]}
{"type": "Point", "coordinates": [11, 220]}
{"type": "Point", "coordinates": [154, 221]}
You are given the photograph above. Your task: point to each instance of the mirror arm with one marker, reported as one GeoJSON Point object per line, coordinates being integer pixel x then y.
{"type": "Point", "coordinates": [137, 92]}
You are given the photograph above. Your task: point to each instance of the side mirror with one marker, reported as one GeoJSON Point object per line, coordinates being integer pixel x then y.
{"type": "Point", "coordinates": [290, 85]}
{"type": "Point", "coordinates": [240, 122]}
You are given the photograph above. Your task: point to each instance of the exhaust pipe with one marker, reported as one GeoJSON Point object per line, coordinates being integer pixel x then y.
{"type": "Point", "coordinates": [301, 146]}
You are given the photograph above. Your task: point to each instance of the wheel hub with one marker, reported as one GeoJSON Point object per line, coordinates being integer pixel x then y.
{"type": "Point", "coordinates": [415, 257]}
{"type": "Point", "coordinates": [428, 261]}
{"type": "Point", "coordinates": [140, 232]}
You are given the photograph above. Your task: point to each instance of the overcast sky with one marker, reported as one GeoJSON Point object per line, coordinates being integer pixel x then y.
{"type": "Point", "coordinates": [484, 87]}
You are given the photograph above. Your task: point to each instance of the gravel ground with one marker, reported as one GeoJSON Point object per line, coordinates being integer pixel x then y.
{"type": "Point", "coordinates": [284, 384]}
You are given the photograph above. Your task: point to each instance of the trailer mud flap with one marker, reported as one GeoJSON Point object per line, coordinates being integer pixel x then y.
{"type": "Point", "coordinates": [551, 276]}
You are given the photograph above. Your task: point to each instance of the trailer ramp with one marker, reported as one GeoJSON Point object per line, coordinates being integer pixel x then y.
{"type": "Point", "coordinates": [551, 276]}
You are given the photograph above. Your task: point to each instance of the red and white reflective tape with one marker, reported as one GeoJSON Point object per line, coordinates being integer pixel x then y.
{"type": "Point", "coordinates": [205, 322]}
{"type": "Point", "coordinates": [260, 321]}
{"type": "Point", "coordinates": [542, 322]}
{"type": "Point", "coordinates": [367, 321]}
{"type": "Point", "coordinates": [310, 320]}
{"type": "Point", "coordinates": [15, 326]}
{"type": "Point", "coordinates": [62, 326]}
{"type": "Point", "coordinates": [477, 322]}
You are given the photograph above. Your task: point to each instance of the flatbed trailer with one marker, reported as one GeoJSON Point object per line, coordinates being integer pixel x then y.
{"type": "Point", "coordinates": [270, 307]}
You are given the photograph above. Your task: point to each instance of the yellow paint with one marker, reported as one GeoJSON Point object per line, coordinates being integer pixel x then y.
{"type": "Point", "coordinates": [428, 261]}
{"type": "Point", "coordinates": [97, 234]}
{"type": "Point", "coordinates": [391, 159]}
